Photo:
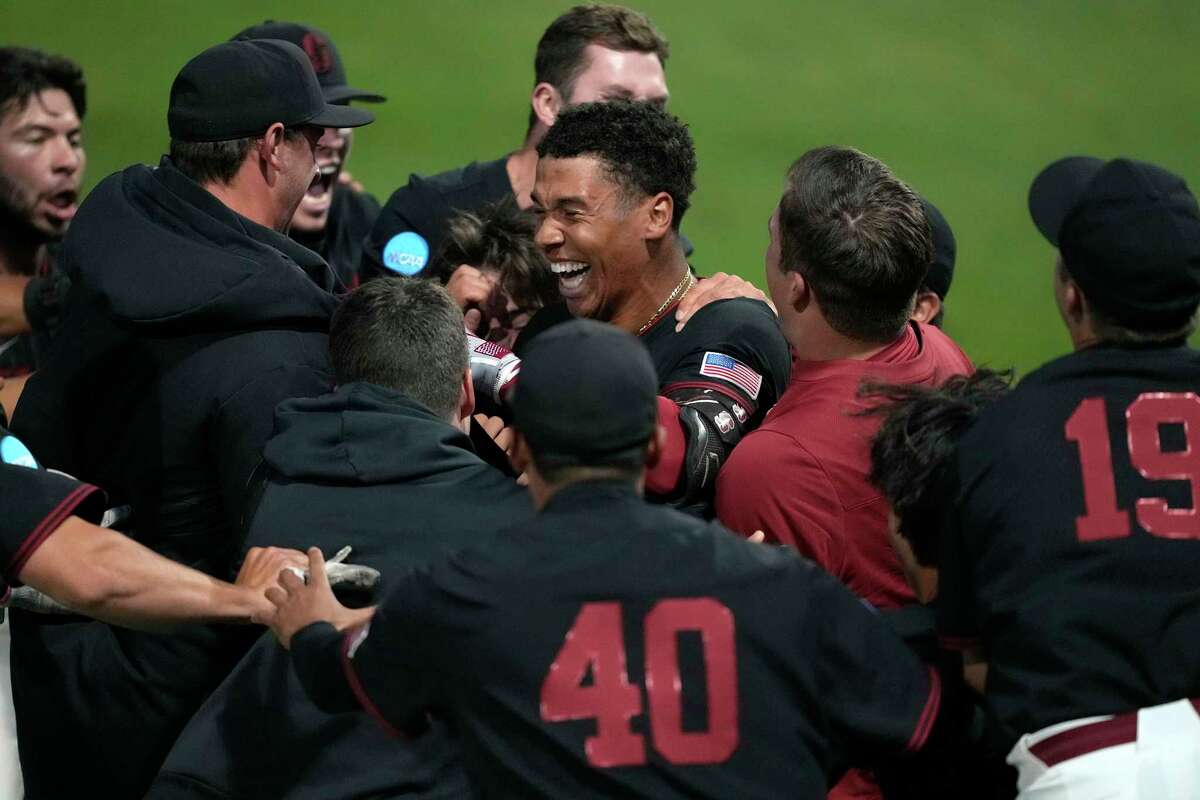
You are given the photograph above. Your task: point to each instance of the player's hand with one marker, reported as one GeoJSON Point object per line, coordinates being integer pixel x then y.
{"type": "Point", "coordinates": [501, 434]}
{"type": "Point", "coordinates": [720, 286]}
{"type": "Point", "coordinates": [472, 289]}
{"type": "Point", "coordinates": [261, 568]}
{"type": "Point", "coordinates": [758, 537]}
{"type": "Point", "coordinates": [299, 604]}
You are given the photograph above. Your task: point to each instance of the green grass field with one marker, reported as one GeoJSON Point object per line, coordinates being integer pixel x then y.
{"type": "Point", "coordinates": [966, 100]}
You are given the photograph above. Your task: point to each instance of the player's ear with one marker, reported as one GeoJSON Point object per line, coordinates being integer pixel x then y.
{"type": "Point", "coordinates": [466, 401]}
{"type": "Point", "coordinates": [927, 307]}
{"type": "Point", "coordinates": [799, 292]}
{"type": "Point", "coordinates": [546, 102]}
{"type": "Point", "coordinates": [660, 210]}
{"type": "Point", "coordinates": [269, 156]}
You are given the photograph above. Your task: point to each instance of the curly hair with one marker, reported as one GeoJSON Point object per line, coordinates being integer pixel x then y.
{"type": "Point", "coordinates": [644, 149]}
{"type": "Point", "coordinates": [500, 235]}
{"type": "Point", "coordinates": [921, 427]}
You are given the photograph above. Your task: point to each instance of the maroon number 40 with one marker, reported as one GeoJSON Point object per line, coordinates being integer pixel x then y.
{"type": "Point", "coordinates": [1088, 428]}
{"type": "Point", "coordinates": [596, 643]}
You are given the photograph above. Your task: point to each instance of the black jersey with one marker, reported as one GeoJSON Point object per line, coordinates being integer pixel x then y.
{"type": "Point", "coordinates": [35, 503]}
{"type": "Point", "coordinates": [1072, 538]}
{"type": "Point", "coordinates": [423, 206]}
{"type": "Point", "coordinates": [612, 648]}
{"type": "Point", "coordinates": [351, 216]}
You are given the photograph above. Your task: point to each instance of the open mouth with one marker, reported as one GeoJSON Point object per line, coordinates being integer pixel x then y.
{"type": "Point", "coordinates": [323, 182]}
{"type": "Point", "coordinates": [63, 203]}
{"type": "Point", "coordinates": [571, 276]}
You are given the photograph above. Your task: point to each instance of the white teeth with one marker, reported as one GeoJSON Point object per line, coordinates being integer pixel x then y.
{"type": "Point", "coordinates": [564, 268]}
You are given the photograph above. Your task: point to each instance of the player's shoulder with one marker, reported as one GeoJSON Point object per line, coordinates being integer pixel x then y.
{"type": "Point", "coordinates": [747, 326]}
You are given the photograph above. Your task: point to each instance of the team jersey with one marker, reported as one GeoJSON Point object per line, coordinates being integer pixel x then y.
{"type": "Point", "coordinates": [35, 503]}
{"type": "Point", "coordinates": [614, 648]}
{"type": "Point", "coordinates": [351, 215]}
{"type": "Point", "coordinates": [1072, 538]}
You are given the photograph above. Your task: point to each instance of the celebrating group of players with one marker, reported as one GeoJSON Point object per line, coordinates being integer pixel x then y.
{"type": "Point", "coordinates": [614, 529]}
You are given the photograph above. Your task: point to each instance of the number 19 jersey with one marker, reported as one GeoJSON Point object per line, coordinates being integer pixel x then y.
{"type": "Point", "coordinates": [612, 648]}
{"type": "Point", "coordinates": [1071, 540]}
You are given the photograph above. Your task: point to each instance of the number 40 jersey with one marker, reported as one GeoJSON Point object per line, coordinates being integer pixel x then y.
{"type": "Point", "coordinates": [1071, 539]}
{"type": "Point", "coordinates": [613, 648]}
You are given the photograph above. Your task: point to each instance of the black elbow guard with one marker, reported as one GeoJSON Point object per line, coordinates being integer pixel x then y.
{"type": "Point", "coordinates": [712, 428]}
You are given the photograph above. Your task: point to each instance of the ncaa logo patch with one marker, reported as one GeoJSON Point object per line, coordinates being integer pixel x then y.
{"type": "Point", "coordinates": [406, 253]}
{"type": "Point", "coordinates": [14, 452]}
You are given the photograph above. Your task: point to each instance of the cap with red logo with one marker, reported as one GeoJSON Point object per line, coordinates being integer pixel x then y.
{"type": "Point", "coordinates": [319, 48]}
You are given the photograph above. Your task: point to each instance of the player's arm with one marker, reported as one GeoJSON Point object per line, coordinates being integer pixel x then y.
{"type": "Point", "coordinates": [772, 484]}
{"type": "Point", "coordinates": [30, 303]}
{"type": "Point", "coordinates": [718, 286]}
{"type": "Point", "coordinates": [957, 624]}
{"type": "Point", "coordinates": [107, 575]}
{"type": "Point", "coordinates": [348, 659]}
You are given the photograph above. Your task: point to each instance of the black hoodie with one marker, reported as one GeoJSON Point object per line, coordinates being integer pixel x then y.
{"type": "Point", "coordinates": [186, 325]}
{"type": "Point", "coordinates": [366, 467]}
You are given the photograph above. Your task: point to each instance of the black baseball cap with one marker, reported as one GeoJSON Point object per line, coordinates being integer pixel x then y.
{"type": "Point", "coordinates": [322, 54]}
{"type": "Point", "coordinates": [1129, 235]}
{"type": "Point", "coordinates": [238, 89]}
{"type": "Point", "coordinates": [587, 395]}
{"type": "Point", "coordinates": [945, 251]}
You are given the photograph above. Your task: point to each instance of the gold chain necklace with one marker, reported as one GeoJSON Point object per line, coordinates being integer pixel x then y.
{"type": "Point", "coordinates": [677, 293]}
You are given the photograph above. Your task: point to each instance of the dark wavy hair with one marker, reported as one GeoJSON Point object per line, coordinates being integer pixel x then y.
{"type": "Point", "coordinates": [24, 72]}
{"type": "Point", "coordinates": [500, 235]}
{"type": "Point", "coordinates": [920, 429]}
{"type": "Point", "coordinates": [644, 149]}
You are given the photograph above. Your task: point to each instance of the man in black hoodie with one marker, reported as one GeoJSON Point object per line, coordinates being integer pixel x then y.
{"type": "Point", "coordinates": [191, 316]}
{"type": "Point", "coordinates": [383, 464]}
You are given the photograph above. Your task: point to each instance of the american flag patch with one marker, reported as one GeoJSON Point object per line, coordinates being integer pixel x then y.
{"type": "Point", "coordinates": [727, 368]}
{"type": "Point", "coordinates": [493, 349]}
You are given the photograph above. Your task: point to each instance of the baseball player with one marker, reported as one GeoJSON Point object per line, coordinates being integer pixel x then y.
{"type": "Point", "coordinates": [613, 648]}
{"type": "Point", "coordinates": [1071, 540]}
{"type": "Point", "coordinates": [613, 184]}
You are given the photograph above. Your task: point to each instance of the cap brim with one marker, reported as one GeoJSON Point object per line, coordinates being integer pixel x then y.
{"type": "Point", "coordinates": [342, 117]}
{"type": "Point", "coordinates": [344, 94]}
{"type": "Point", "coordinates": [1056, 191]}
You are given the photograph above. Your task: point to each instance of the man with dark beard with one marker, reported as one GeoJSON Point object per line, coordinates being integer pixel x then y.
{"type": "Point", "coordinates": [42, 102]}
{"type": "Point", "coordinates": [191, 317]}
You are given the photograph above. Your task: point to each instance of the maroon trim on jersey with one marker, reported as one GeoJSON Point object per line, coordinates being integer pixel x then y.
{"type": "Point", "coordinates": [359, 692]}
{"type": "Point", "coordinates": [47, 526]}
{"type": "Point", "coordinates": [716, 387]}
{"type": "Point", "coordinates": [958, 642]}
{"type": "Point", "coordinates": [928, 714]}
{"type": "Point", "coordinates": [1060, 747]}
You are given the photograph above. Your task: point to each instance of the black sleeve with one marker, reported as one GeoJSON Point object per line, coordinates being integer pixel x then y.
{"type": "Point", "coordinates": [734, 368]}
{"type": "Point", "coordinates": [956, 618]}
{"type": "Point", "coordinates": [388, 666]}
{"type": "Point", "coordinates": [881, 699]}
{"type": "Point", "coordinates": [35, 504]}
{"type": "Point", "coordinates": [243, 423]}
{"type": "Point", "coordinates": [317, 656]}
{"type": "Point", "coordinates": [43, 300]}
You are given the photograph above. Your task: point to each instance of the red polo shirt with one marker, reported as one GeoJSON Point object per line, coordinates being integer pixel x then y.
{"type": "Point", "coordinates": [801, 477]}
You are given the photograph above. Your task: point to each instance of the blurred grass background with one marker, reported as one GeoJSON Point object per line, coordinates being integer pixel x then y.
{"type": "Point", "coordinates": [964, 99]}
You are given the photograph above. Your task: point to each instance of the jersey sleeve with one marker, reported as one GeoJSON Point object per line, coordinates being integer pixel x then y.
{"type": "Point", "coordinates": [956, 618]}
{"type": "Point", "coordinates": [880, 697]}
{"type": "Point", "coordinates": [735, 349]}
{"type": "Point", "coordinates": [35, 504]}
{"type": "Point", "coordinates": [771, 484]}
